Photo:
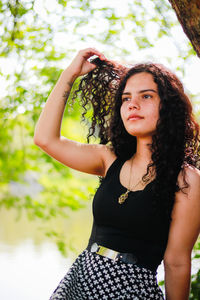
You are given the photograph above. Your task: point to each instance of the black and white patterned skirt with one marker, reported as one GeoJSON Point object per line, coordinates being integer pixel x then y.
{"type": "Point", "coordinates": [93, 276]}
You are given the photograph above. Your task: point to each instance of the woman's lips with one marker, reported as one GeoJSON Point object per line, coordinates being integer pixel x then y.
{"type": "Point", "coordinates": [135, 118]}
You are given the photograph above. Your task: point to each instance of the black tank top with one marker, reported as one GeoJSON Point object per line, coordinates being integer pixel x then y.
{"type": "Point", "coordinates": [131, 226]}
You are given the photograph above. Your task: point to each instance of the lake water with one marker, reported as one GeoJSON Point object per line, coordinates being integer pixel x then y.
{"type": "Point", "coordinates": [31, 265]}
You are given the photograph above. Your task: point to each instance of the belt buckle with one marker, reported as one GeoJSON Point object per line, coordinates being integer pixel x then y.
{"type": "Point", "coordinates": [128, 258]}
{"type": "Point", "coordinates": [103, 251]}
{"type": "Point", "coordinates": [112, 254]}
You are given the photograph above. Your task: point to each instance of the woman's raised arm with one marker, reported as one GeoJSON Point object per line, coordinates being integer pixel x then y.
{"type": "Point", "coordinates": [87, 158]}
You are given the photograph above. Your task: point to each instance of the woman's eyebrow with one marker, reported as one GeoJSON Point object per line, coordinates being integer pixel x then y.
{"type": "Point", "coordinates": [147, 90]}
{"type": "Point", "coordinates": [141, 91]}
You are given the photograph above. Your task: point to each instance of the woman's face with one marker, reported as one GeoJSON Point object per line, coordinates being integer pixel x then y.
{"type": "Point", "coordinates": [140, 98]}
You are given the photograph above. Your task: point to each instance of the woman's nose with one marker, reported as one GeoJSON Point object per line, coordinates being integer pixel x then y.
{"type": "Point", "coordinates": [133, 102]}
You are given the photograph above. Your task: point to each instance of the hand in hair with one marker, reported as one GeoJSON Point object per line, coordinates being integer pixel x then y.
{"type": "Point", "coordinates": [80, 65]}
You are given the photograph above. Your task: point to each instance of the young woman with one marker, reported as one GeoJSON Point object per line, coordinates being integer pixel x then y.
{"type": "Point", "coordinates": [147, 206]}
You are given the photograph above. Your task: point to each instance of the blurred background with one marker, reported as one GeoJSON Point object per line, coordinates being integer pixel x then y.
{"type": "Point", "coordinates": [45, 207]}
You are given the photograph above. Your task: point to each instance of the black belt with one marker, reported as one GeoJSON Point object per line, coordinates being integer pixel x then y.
{"type": "Point", "coordinates": [128, 258]}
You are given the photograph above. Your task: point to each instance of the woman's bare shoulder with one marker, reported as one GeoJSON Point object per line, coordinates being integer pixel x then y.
{"type": "Point", "coordinates": [192, 175]}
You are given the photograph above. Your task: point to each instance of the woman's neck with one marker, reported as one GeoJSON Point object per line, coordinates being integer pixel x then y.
{"type": "Point", "coordinates": [143, 153]}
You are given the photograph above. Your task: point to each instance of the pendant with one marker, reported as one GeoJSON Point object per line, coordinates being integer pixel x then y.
{"type": "Point", "coordinates": [123, 197]}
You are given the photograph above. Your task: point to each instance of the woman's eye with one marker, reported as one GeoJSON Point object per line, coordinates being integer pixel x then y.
{"type": "Point", "coordinates": [147, 96]}
{"type": "Point", "coordinates": [125, 99]}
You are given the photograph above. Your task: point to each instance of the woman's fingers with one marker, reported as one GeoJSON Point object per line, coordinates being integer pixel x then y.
{"type": "Point", "coordinates": [81, 65]}
{"type": "Point", "coordinates": [88, 52]}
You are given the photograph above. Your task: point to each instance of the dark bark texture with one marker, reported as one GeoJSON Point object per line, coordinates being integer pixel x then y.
{"type": "Point", "coordinates": [188, 14]}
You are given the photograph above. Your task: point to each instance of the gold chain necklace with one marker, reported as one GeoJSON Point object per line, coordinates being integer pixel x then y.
{"type": "Point", "coordinates": [124, 196]}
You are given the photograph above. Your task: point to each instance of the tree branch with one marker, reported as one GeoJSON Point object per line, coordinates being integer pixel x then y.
{"type": "Point", "coordinates": [188, 14]}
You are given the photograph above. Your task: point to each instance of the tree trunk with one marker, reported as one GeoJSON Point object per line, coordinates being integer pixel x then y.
{"type": "Point", "coordinates": [188, 14]}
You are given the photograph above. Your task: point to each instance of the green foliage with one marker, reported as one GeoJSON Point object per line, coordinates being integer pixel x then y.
{"type": "Point", "coordinates": [195, 287]}
{"type": "Point", "coordinates": [63, 2]}
{"type": "Point", "coordinates": [195, 278]}
{"type": "Point", "coordinates": [30, 40]}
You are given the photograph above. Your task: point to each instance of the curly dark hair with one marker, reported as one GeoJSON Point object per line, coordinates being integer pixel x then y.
{"type": "Point", "coordinates": [176, 142]}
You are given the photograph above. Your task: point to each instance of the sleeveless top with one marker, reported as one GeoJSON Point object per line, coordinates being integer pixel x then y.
{"type": "Point", "coordinates": [131, 227]}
